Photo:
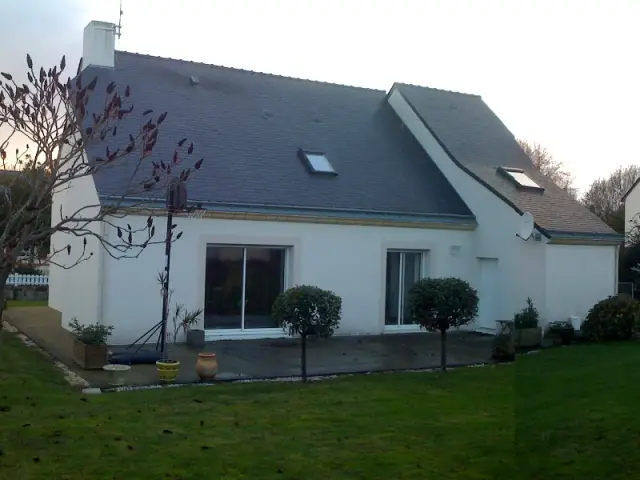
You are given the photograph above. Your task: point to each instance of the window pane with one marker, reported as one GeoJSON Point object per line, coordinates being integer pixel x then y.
{"type": "Point", "coordinates": [392, 296]}
{"type": "Point", "coordinates": [319, 163]}
{"type": "Point", "coordinates": [264, 282]}
{"type": "Point", "coordinates": [524, 180]}
{"type": "Point", "coordinates": [412, 264]}
{"type": "Point", "coordinates": [223, 287]}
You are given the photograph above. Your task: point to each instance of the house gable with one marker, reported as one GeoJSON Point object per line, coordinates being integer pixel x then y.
{"type": "Point", "coordinates": [475, 140]}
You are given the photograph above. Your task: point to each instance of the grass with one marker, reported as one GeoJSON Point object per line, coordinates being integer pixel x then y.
{"type": "Point", "coordinates": [26, 303]}
{"type": "Point", "coordinates": [565, 413]}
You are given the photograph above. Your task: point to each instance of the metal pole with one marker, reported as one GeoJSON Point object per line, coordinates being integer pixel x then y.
{"type": "Point", "coordinates": [165, 293]}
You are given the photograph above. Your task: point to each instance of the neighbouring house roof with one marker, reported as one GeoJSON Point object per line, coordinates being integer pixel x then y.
{"type": "Point", "coordinates": [475, 138]}
{"type": "Point", "coordinates": [249, 127]}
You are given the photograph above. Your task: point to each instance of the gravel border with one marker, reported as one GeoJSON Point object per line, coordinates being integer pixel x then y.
{"type": "Point", "coordinates": [71, 377]}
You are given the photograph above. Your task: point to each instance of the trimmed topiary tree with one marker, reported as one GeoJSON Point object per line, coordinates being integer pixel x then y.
{"type": "Point", "coordinates": [306, 310]}
{"type": "Point", "coordinates": [611, 319]}
{"type": "Point", "coordinates": [438, 304]}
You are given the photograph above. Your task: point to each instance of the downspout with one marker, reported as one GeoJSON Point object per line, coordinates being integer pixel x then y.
{"type": "Point", "coordinates": [100, 254]}
{"type": "Point", "coordinates": [617, 267]}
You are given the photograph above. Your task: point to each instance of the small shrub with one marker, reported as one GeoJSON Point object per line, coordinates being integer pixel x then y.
{"type": "Point", "coordinates": [563, 331]}
{"type": "Point", "coordinates": [438, 304]}
{"type": "Point", "coordinates": [528, 317]}
{"type": "Point", "coordinates": [93, 334]}
{"type": "Point", "coordinates": [307, 310]}
{"type": "Point", "coordinates": [611, 319]}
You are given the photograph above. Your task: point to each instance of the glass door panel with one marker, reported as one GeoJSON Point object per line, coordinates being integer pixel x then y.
{"type": "Point", "coordinates": [392, 295]}
{"type": "Point", "coordinates": [223, 287]}
{"type": "Point", "coordinates": [411, 274]}
{"type": "Point", "coordinates": [264, 282]}
{"type": "Point", "coordinates": [403, 270]}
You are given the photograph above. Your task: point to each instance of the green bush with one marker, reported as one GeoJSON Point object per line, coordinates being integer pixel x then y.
{"type": "Point", "coordinates": [437, 304]}
{"type": "Point", "coordinates": [528, 317]}
{"type": "Point", "coordinates": [563, 331]}
{"type": "Point", "coordinates": [93, 334]}
{"type": "Point", "coordinates": [307, 310]}
{"type": "Point", "coordinates": [614, 318]}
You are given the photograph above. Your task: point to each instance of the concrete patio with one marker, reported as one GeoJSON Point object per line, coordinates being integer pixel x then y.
{"type": "Point", "coordinates": [268, 358]}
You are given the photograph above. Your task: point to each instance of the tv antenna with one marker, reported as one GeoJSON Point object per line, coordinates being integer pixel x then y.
{"type": "Point", "coordinates": [118, 28]}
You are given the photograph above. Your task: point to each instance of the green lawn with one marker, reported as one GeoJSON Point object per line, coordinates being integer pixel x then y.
{"type": "Point", "coordinates": [566, 413]}
{"type": "Point", "coordinates": [26, 303]}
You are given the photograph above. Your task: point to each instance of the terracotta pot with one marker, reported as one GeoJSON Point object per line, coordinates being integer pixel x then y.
{"type": "Point", "coordinates": [207, 366]}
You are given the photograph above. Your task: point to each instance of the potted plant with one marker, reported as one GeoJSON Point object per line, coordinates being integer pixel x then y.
{"type": "Point", "coordinates": [183, 319]}
{"type": "Point", "coordinates": [562, 333]}
{"type": "Point", "coordinates": [504, 349]}
{"type": "Point", "coordinates": [528, 333]}
{"type": "Point", "coordinates": [90, 344]}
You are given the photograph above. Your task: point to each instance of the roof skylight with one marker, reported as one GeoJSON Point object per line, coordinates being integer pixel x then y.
{"type": "Point", "coordinates": [521, 179]}
{"type": "Point", "coordinates": [317, 162]}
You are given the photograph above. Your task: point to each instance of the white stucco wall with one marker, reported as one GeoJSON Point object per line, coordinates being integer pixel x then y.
{"type": "Point", "coordinates": [631, 208]}
{"type": "Point", "coordinates": [75, 292]}
{"type": "Point", "coordinates": [577, 277]}
{"type": "Point", "coordinates": [350, 260]}
{"type": "Point", "coordinates": [521, 265]}
{"type": "Point", "coordinates": [561, 280]}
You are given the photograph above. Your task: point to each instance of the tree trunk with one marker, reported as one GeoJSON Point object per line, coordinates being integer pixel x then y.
{"type": "Point", "coordinates": [4, 275]}
{"type": "Point", "coordinates": [304, 358]}
{"type": "Point", "coordinates": [443, 350]}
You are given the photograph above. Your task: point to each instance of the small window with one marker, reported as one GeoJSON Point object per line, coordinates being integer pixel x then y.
{"type": "Point", "coordinates": [317, 162]}
{"type": "Point", "coordinates": [520, 178]}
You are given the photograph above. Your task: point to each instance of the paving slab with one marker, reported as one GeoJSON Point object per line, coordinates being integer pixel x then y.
{"type": "Point", "coordinates": [238, 359]}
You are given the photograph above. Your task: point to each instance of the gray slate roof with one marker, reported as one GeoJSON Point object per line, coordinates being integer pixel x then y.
{"type": "Point", "coordinates": [479, 142]}
{"type": "Point", "coordinates": [248, 126]}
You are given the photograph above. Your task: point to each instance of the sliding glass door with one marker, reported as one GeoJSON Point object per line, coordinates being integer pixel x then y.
{"type": "Point", "coordinates": [403, 270]}
{"type": "Point", "coordinates": [241, 285]}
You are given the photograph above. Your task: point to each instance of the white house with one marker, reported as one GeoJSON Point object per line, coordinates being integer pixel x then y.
{"type": "Point", "coordinates": [355, 190]}
{"type": "Point", "coordinates": [631, 200]}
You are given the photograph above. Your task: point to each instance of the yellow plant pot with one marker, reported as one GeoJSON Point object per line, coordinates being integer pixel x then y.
{"type": "Point", "coordinates": [168, 370]}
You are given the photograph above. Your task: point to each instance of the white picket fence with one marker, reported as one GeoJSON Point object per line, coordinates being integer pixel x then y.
{"type": "Point", "coordinates": [17, 280]}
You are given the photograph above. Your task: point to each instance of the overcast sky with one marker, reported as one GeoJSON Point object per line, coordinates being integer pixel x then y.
{"type": "Point", "coordinates": [560, 72]}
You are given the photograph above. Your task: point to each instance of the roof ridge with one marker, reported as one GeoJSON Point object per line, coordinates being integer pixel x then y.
{"type": "Point", "coordinates": [255, 72]}
{"type": "Point", "coordinates": [402, 84]}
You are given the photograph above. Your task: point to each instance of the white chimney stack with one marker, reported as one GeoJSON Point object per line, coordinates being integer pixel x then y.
{"type": "Point", "coordinates": [99, 45]}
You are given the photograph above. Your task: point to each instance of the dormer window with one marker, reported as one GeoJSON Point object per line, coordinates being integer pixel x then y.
{"type": "Point", "coordinates": [317, 162]}
{"type": "Point", "coordinates": [519, 178]}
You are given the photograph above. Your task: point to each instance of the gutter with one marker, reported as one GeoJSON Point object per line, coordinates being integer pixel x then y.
{"type": "Point", "coordinates": [301, 211]}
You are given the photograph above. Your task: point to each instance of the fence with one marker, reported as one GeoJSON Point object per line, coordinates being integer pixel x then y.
{"type": "Point", "coordinates": [18, 280]}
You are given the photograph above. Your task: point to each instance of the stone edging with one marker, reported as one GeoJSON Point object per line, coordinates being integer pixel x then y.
{"type": "Point", "coordinates": [71, 377]}
{"type": "Point", "coordinates": [315, 378]}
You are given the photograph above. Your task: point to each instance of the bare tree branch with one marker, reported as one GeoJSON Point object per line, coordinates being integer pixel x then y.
{"type": "Point", "coordinates": [56, 119]}
{"type": "Point", "coordinates": [550, 167]}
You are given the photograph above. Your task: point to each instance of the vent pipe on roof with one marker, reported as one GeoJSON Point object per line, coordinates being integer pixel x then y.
{"type": "Point", "coordinates": [99, 45]}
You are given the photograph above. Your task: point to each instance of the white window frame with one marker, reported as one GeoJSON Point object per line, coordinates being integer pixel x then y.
{"type": "Point", "coordinates": [403, 327]}
{"type": "Point", "coordinates": [226, 333]}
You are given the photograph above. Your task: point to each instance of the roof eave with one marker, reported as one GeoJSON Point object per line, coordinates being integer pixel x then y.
{"type": "Point", "coordinates": [276, 213]}
{"type": "Point", "coordinates": [579, 238]}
